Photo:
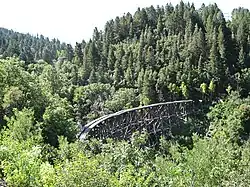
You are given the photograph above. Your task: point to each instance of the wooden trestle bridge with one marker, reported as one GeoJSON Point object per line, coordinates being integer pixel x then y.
{"type": "Point", "coordinates": [157, 120]}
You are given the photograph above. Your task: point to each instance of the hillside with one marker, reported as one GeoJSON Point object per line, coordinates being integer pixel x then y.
{"type": "Point", "coordinates": [30, 48]}
{"type": "Point", "coordinates": [49, 90]}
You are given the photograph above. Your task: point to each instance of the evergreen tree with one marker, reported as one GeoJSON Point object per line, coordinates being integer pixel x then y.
{"type": "Point", "coordinates": [111, 59]}
{"type": "Point", "coordinates": [78, 59]}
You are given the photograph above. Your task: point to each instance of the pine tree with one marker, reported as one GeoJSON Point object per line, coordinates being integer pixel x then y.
{"type": "Point", "coordinates": [214, 63]}
{"type": "Point", "coordinates": [92, 77]}
{"type": "Point", "coordinates": [150, 58]}
{"type": "Point", "coordinates": [140, 80]}
{"type": "Point", "coordinates": [160, 25]}
{"type": "Point", "coordinates": [118, 78]}
{"type": "Point", "coordinates": [129, 77]}
{"type": "Point", "coordinates": [241, 59]}
{"type": "Point", "coordinates": [70, 52]}
{"type": "Point", "coordinates": [46, 55]}
{"type": "Point", "coordinates": [111, 59]}
{"type": "Point", "coordinates": [78, 59]}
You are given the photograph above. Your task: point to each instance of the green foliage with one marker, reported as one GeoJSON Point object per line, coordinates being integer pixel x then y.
{"type": "Point", "coordinates": [13, 98]}
{"type": "Point", "coordinates": [156, 55]}
{"type": "Point", "coordinates": [90, 100]}
{"type": "Point", "coordinates": [203, 88]}
{"type": "Point", "coordinates": [209, 163]}
{"type": "Point", "coordinates": [211, 86]}
{"type": "Point", "coordinates": [58, 121]}
{"type": "Point", "coordinates": [123, 98]}
{"type": "Point", "coordinates": [21, 126]}
{"type": "Point", "coordinates": [184, 90]}
{"type": "Point", "coordinates": [23, 169]}
{"type": "Point", "coordinates": [20, 150]}
{"type": "Point", "coordinates": [47, 175]}
{"type": "Point", "coordinates": [229, 119]}
{"type": "Point", "coordinates": [30, 48]}
{"type": "Point", "coordinates": [81, 171]}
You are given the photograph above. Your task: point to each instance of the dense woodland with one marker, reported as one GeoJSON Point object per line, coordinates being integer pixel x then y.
{"type": "Point", "coordinates": [49, 89]}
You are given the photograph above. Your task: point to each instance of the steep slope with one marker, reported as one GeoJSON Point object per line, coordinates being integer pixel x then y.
{"type": "Point", "coordinates": [29, 48]}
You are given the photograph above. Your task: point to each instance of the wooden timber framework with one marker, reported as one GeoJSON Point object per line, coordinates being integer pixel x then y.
{"type": "Point", "coordinates": [157, 120]}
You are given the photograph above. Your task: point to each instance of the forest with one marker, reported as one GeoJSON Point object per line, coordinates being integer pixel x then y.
{"type": "Point", "coordinates": [49, 89]}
